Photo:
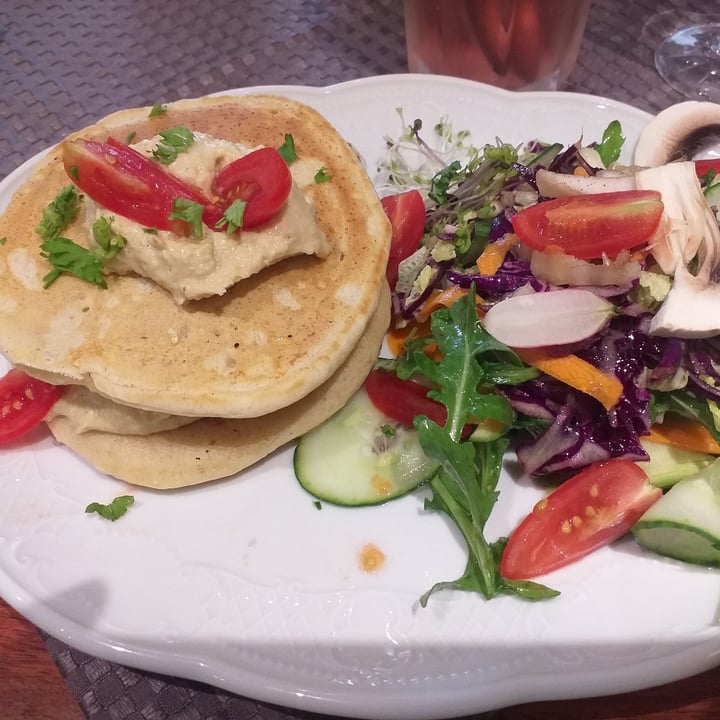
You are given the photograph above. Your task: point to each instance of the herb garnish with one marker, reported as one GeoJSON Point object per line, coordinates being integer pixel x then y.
{"type": "Point", "coordinates": [108, 241]}
{"type": "Point", "coordinates": [287, 149]}
{"type": "Point", "coordinates": [233, 216]}
{"type": "Point", "coordinates": [63, 254]}
{"type": "Point", "coordinates": [114, 510]}
{"type": "Point", "coordinates": [68, 257]}
{"type": "Point", "coordinates": [157, 110]}
{"type": "Point", "coordinates": [3, 240]}
{"type": "Point", "coordinates": [59, 213]}
{"type": "Point", "coordinates": [130, 137]}
{"type": "Point", "coordinates": [174, 141]}
{"type": "Point", "coordinates": [189, 211]}
{"type": "Point", "coordinates": [321, 176]}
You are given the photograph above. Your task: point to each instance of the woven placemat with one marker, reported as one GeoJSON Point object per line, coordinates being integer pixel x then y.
{"type": "Point", "coordinates": [65, 64]}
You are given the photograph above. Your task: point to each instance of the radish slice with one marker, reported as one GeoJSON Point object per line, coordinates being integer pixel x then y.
{"type": "Point", "coordinates": [556, 317]}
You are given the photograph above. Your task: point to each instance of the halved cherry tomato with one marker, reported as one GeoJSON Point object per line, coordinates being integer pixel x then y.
{"type": "Point", "coordinates": [402, 400]}
{"type": "Point", "coordinates": [407, 217]}
{"type": "Point", "coordinates": [591, 509]}
{"type": "Point", "coordinates": [261, 178]}
{"type": "Point", "coordinates": [586, 226]}
{"type": "Point", "coordinates": [24, 403]}
{"type": "Point", "coordinates": [127, 183]}
{"type": "Point", "coordinates": [703, 167]}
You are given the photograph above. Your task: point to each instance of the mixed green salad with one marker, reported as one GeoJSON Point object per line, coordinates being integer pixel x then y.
{"type": "Point", "coordinates": [553, 304]}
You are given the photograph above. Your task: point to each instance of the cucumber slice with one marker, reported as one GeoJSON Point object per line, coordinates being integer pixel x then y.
{"type": "Point", "coordinates": [668, 465]}
{"type": "Point", "coordinates": [360, 457]}
{"type": "Point", "coordinates": [685, 523]}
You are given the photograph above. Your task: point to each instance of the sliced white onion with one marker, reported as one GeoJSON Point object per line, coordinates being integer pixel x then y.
{"type": "Point", "coordinates": [561, 269]}
{"type": "Point", "coordinates": [555, 185]}
{"type": "Point", "coordinates": [556, 317]}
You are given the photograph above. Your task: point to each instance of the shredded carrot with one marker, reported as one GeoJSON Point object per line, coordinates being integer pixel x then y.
{"type": "Point", "coordinates": [684, 433]}
{"type": "Point", "coordinates": [580, 171]}
{"type": "Point", "coordinates": [493, 255]}
{"type": "Point", "coordinates": [577, 373]}
{"type": "Point", "coordinates": [396, 337]}
{"type": "Point", "coordinates": [440, 298]}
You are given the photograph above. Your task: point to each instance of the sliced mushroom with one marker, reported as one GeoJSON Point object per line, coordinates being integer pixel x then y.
{"type": "Point", "coordinates": [679, 132]}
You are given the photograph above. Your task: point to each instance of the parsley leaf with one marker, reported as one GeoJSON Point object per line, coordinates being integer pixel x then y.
{"type": "Point", "coordinates": [109, 242]}
{"type": "Point", "coordinates": [321, 176]}
{"type": "Point", "coordinates": [174, 141]}
{"type": "Point", "coordinates": [68, 257]}
{"type": "Point", "coordinates": [3, 240]}
{"type": "Point", "coordinates": [59, 212]}
{"type": "Point", "coordinates": [233, 217]}
{"type": "Point", "coordinates": [157, 110]}
{"type": "Point", "coordinates": [114, 510]}
{"type": "Point", "coordinates": [189, 211]}
{"type": "Point", "coordinates": [287, 149]}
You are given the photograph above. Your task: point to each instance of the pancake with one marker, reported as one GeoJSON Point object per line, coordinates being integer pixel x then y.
{"type": "Point", "coordinates": [265, 344]}
{"type": "Point", "coordinates": [214, 448]}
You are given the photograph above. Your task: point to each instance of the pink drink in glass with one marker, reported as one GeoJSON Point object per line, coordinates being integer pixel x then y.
{"type": "Point", "coordinates": [514, 44]}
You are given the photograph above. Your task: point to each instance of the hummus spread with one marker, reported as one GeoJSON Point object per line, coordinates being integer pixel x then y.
{"type": "Point", "coordinates": [192, 268]}
{"type": "Point", "coordinates": [87, 410]}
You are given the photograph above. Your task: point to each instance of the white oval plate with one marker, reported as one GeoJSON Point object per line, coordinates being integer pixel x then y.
{"type": "Point", "coordinates": [246, 585]}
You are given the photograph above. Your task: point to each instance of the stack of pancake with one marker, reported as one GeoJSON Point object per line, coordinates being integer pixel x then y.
{"type": "Point", "coordinates": [233, 376]}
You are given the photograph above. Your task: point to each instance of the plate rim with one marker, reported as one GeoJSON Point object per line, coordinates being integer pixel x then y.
{"type": "Point", "coordinates": [74, 634]}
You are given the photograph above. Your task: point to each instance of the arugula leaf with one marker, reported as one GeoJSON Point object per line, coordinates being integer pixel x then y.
{"type": "Point", "coordinates": [174, 141]}
{"type": "Point", "coordinates": [287, 149]}
{"type": "Point", "coordinates": [189, 211]}
{"type": "Point", "coordinates": [108, 241]}
{"type": "Point", "coordinates": [59, 213]}
{"type": "Point", "coordinates": [321, 176]}
{"type": "Point", "coordinates": [157, 110]}
{"type": "Point", "coordinates": [68, 257]}
{"type": "Point", "coordinates": [685, 403]}
{"type": "Point", "coordinates": [465, 486]}
{"type": "Point", "coordinates": [612, 142]}
{"type": "Point", "coordinates": [233, 216]}
{"type": "Point", "coordinates": [113, 510]}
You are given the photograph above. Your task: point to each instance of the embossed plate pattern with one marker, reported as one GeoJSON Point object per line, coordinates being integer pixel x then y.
{"type": "Point", "coordinates": [246, 585]}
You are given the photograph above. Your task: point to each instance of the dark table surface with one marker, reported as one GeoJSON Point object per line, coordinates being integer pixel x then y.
{"type": "Point", "coordinates": [65, 64]}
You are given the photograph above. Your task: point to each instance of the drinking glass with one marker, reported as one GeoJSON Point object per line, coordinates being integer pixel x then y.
{"type": "Point", "coordinates": [688, 55]}
{"type": "Point", "coordinates": [514, 44]}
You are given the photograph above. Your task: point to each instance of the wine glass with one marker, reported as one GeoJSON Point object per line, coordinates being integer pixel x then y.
{"type": "Point", "coordinates": [688, 55]}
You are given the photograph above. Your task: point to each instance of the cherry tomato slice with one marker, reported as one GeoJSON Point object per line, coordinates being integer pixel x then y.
{"type": "Point", "coordinates": [127, 183]}
{"type": "Point", "coordinates": [588, 226]}
{"type": "Point", "coordinates": [402, 400]}
{"type": "Point", "coordinates": [261, 178]}
{"type": "Point", "coordinates": [407, 217]}
{"type": "Point", "coordinates": [598, 505]}
{"type": "Point", "coordinates": [703, 167]}
{"type": "Point", "coordinates": [24, 403]}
